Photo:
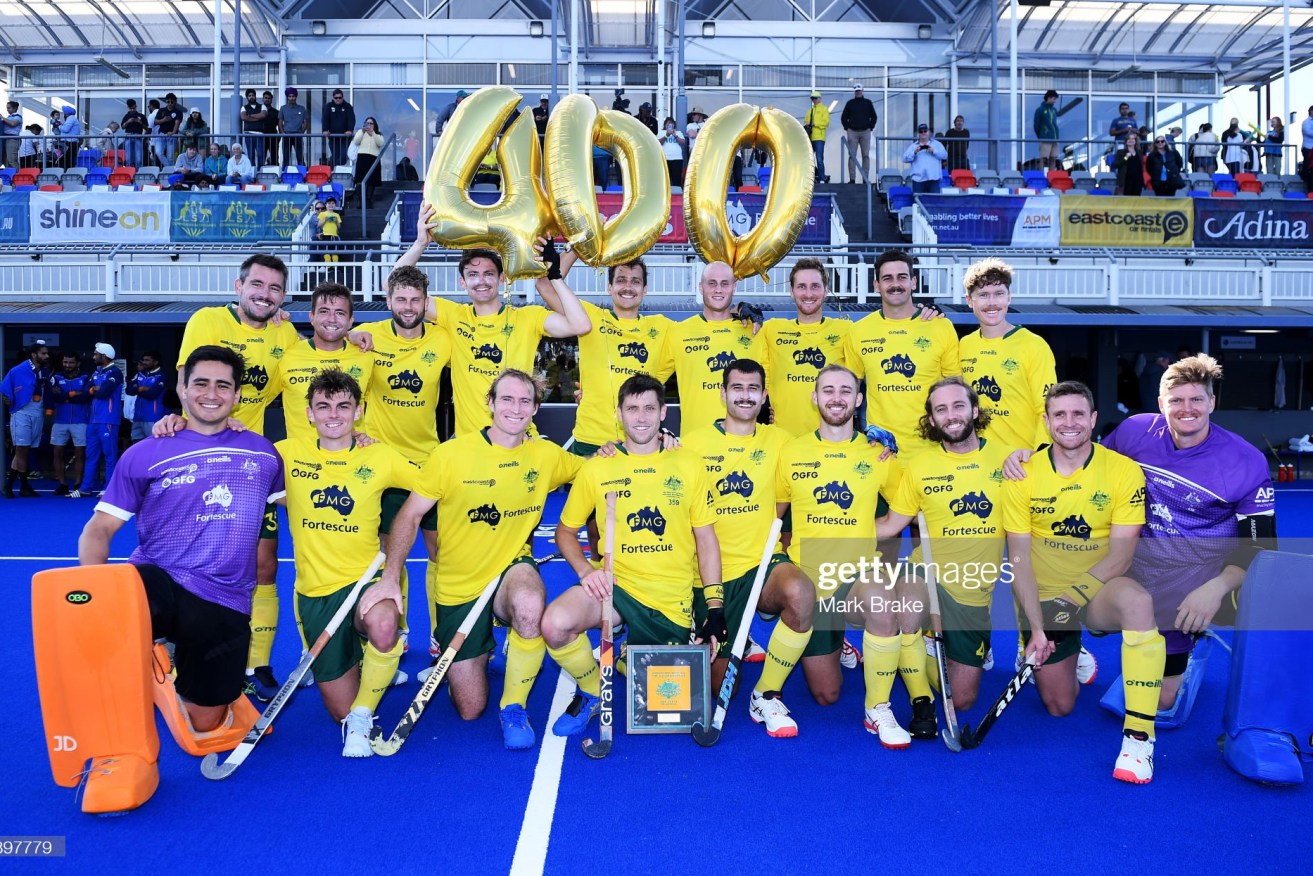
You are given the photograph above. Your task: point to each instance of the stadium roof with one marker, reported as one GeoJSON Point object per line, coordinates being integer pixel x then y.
{"type": "Point", "coordinates": [95, 26]}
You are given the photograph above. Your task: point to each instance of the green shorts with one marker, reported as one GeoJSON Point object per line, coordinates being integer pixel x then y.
{"type": "Point", "coordinates": [828, 626]}
{"type": "Point", "coordinates": [1067, 643]}
{"type": "Point", "coordinates": [967, 630]}
{"type": "Point", "coordinates": [269, 529]}
{"type": "Point", "coordinates": [737, 592]}
{"type": "Point", "coordinates": [583, 448]}
{"type": "Point", "coordinates": [347, 646]}
{"type": "Point", "coordinates": [480, 640]}
{"type": "Point", "coordinates": [393, 499]}
{"type": "Point", "coordinates": [647, 626]}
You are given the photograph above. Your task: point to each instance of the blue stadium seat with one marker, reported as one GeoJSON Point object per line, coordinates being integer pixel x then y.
{"type": "Point", "coordinates": [615, 189]}
{"type": "Point", "coordinates": [7, 175]}
{"type": "Point", "coordinates": [1102, 192]}
{"type": "Point", "coordinates": [1199, 193]}
{"type": "Point", "coordinates": [96, 178]}
{"type": "Point", "coordinates": [763, 176]}
{"type": "Point", "coordinates": [331, 189]}
{"type": "Point", "coordinates": [25, 188]}
{"type": "Point", "coordinates": [1035, 179]}
{"type": "Point", "coordinates": [292, 178]}
{"type": "Point", "coordinates": [1294, 196]}
{"type": "Point", "coordinates": [899, 197]}
{"type": "Point", "coordinates": [89, 158]}
{"type": "Point", "coordinates": [1224, 182]}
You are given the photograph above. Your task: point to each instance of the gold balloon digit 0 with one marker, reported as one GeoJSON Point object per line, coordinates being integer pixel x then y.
{"type": "Point", "coordinates": [511, 225]}
{"type": "Point", "coordinates": [787, 202]}
{"type": "Point", "coordinates": [575, 127]}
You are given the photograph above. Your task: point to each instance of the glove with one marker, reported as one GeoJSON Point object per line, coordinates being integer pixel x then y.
{"type": "Point", "coordinates": [552, 259]}
{"type": "Point", "coordinates": [714, 627]}
{"type": "Point", "coordinates": [1061, 614]}
{"type": "Point", "coordinates": [884, 436]}
{"type": "Point", "coordinates": [748, 310]}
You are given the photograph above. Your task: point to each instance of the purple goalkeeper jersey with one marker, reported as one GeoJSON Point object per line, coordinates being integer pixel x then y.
{"type": "Point", "coordinates": [199, 502]}
{"type": "Point", "coordinates": [1194, 498]}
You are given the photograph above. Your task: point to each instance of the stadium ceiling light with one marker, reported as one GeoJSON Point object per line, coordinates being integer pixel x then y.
{"type": "Point", "coordinates": [1260, 331]}
{"type": "Point", "coordinates": [319, 28]}
{"type": "Point", "coordinates": [924, 31]}
{"type": "Point", "coordinates": [113, 68]}
{"type": "Point", "coordinates": [708, 29]}
{"type": "Point", "coordinates": [536, 29]}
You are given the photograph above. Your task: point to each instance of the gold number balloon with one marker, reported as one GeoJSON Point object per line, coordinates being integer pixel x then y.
{"type": "Point", "coordinates": [510, 225]}
{"type": "Point", "coordinates": [576, 125]}
{"type": "Point", "coordinates": [707, 182]}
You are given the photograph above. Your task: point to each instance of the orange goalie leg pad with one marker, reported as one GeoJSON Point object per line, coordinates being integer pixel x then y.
{"type": "Point", "coordinates": [240, 719]}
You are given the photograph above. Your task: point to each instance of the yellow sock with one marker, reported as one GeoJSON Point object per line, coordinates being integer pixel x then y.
{"type": "Point", "coordinates": [576, 658]}
{"type": "Point", "coordinates": [782, 654]}
{"type": "Point", "coordinates": [431, 593]}
{"type": "Point", "coordinates": [524, 657]}
{"type": "Point", "coordinates": [911, 665]}
{"type": "Point", "coordinates": [264, 623]}
{"type": "Point", "coordinates": [1143, 656]}
{"type": "Point", "coordinates": [376, 673]}
{"type": "Point", "coordinates": [879, 666]}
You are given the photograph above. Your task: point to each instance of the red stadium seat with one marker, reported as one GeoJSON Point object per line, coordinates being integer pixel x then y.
{"type": "Point", "coordinates": [1060, 180]}
{"type": "Point", "coordinates": [316, 177]}
{"type": "Point", "coordinates": [1221, 194]}
{"type": "Point", "coordinates": [1248, 182]}
{"type": "Point", "coordinates": [963, 179]}
{"type": "Point", "coordinates": [54, 187]}
{"type": "Point", "coordinates": [749, 188]}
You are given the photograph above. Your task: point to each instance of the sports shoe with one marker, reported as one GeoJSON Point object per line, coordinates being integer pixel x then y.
{"type": "Point", "coordinates": [770, 710]}
{"type": "Point", "coordinates": [880, 720]}
{"type": "Point", "coordinates": [405, 641]}
{"type": "Point", "coordinates": [356, 728]}
{"type": "Point", "coordinates": [923, 724]}
{"type": "Point", "coordinates": [1087, 668]}
{"type": "Point", "coordinates": [74, 493]}
{"type": "Point", "coordinates": [577, 715]}
{"type": "Point", "coordinates": [754, 653]}
{"type": "Point", "coordinates": [434, 651]}
{"type": "Point", "coordinates": [849, 657]}
{"type": "Point", "coordinates": [26, 490]}
{"type": "Point", "coordinates": [423, 675]}
{"type": "Point", "coordinates": [515, 729]}
{"type": "Point", "coordinates": [261, 684]}
{"type": "Point", "coordinates": [1135, 763]}
{"type": "Point", "coordinates": [1301, 443]}
{"type": "Point", "coordinates": [61, 490]}
{"type": "Point", "coordinates": [399, 679]}
{"type": "Point", "coordinates": [308, 680]}
{"type": "Point", "coordinates": [989, 660]}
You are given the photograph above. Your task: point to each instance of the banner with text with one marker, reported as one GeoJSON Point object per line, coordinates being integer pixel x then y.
{"type": "Point", "coordinates": [993, 220]}
{"type": "Point", "coordinates": [13, 217]}
{"type": "Point", "coordinates": [98, 217]}
{"type": "Point", "coordinates": [1249, 224]}
{"type": "Point", "coordinates": [1093, 220]}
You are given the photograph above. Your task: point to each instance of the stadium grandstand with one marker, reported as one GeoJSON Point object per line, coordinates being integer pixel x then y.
{"type": "Point", "coordinates": [1144, 167]}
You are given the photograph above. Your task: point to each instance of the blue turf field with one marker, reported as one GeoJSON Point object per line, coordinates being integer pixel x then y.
{"type": "Point", "coordinates": [1038, 794]}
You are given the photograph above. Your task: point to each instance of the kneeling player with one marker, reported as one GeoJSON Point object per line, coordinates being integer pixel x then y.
{"type": "Point", "coordinates": [665, 535]}
{"type": "Point", "coordinates": [333, 501]}
{"type": "Point", "coordinates": [490, 487]}
{"type": "Point", "coordinates": [1072, 526]}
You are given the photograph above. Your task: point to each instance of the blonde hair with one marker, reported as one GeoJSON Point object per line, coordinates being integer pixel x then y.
{"type": "Point", "coordinates": [1201, 369]}
{"type": "Point", "coordinates": [987, 272]}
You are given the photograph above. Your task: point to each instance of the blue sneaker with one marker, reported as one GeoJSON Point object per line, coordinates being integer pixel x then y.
{"type": "Point", "coordinates": [515, 729]}
{"type": "Point", "coordinates": [580, 711]}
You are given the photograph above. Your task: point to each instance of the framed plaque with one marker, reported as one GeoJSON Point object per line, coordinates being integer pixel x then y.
{"type": "Point", "coordinates": [669, 687]}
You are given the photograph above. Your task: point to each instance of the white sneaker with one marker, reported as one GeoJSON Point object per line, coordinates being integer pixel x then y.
{"type": "Point", "coordinates": [849, 657]}
{"type": "Point", "coordinates": [308, 679]}
{"type": "Point", "coordinates": [356, 727]}
{"type": "Point", "coordinates": [1087, 668]}
{"type": "Point", "coordinates": [754, 653]}
{"type": "Point", "coordinates": [423, 675]}
{"type": "Point", "coordinates": [74, 494]}
{"type": "Point", "coordinates": [400, 678]}
{"type": "Point", "coordinates": [772, 712]}
{"type": "Point", "coordinates": [434, 651]}
{"type": "Point", "coordinates": [989, 660]}
{"type": "Point", "coordinates": [880, 720]}
{"type": "Point", "coordinates": [1135, 763]}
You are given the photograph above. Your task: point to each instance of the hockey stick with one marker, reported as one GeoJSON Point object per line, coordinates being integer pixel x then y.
{"type": "Point", "coordinates": [392, 744]}
{"type": "Point", "coordinates": [210, 766]}
{"type": "Point", "coordinates": [709, 736]}
{"type": "Point", "coordinates": [950, 732]}
{"type": "Point", "coordinates": [972, 739]}
{"type": "Point", "coordinates": [602, 747]}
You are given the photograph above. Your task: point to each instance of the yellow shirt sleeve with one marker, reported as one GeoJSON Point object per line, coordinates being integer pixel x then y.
{"type": "Point", "coordinates": [582, 499]}
{"type": "Point", "coordinates": [1128, 492]}
{"type": "Point", "coordinates": [445, 309]}
{"type": "Point", "coordinates": [852, 354]}
{"type": "Point", "coordinates": [950, 362]}
{"type": "Point", "coordinates": [1016, 504]}
{"type": "Point", "coordinates": [1043, 375]}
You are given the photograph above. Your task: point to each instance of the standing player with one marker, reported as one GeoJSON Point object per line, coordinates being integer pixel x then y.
{"type": "Point", "coordinates": [793, 350]}
{"type": "Point", "coordinates": [486, 335]}
{"type": "Point", "coordinates": [831, 479]}
{"type": "Point", "coordinates": [106, 413]}
{"type": "Point", "coordinates": [148, 386]}
{"type": "Point", "coordinates": [1210, 510]}
{"type": "Point", "coordinates": [490, 487]}
{"type": "Point", "coordinates": [72, 412]}
{"type": "Point", "coordinates": [334, 497]}
{"type": "Point", "coordinates": [23, 388]}
{"type": "Point", "coordinates": [665, 536]}
{"type": "Point", "coordinates": [742, 457]}
{"type": "Point", "coordinates": [1072, 526]}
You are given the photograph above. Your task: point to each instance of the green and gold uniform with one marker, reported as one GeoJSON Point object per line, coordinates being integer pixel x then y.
{"type": "Point", "coordinates": [402, 402]}
{"type": "Point", "coordinates": [792, 353]}
{"type": "Point", "coordinates": [301, 364]}
{"type": "Point", "coordinates": [615, 350]}
{"type": "Point", "coordinates": [900, 359]}
{"type": "Point", "coordinates": [660, 499]}
{"type": "Point", "coordinates": [483, 347]}
{"type": "Point", "coordinates": [697, 353]}
{"type": "Point", "coordinates": [260, 349]}
{"type": "Point", "coordinates": [1011, 375]}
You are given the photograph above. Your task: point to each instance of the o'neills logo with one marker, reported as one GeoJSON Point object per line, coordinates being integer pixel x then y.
{"type": "Point", "coordinates": [1170, 225]}
{"type": "Point", "coordinates": [1259, 225]}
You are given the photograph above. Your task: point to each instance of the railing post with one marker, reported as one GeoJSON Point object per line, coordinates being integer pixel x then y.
{"type": "Point", "coordinates": [111, 279]}
{"type": "Point", "coordinates": [1114, 283]}
{"type": "Point", "coordinates": [1265, 285]}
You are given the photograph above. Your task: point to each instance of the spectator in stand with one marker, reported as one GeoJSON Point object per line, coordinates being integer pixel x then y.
{"type": "Point", "coordinates": [169, 121]}
{"type": "Point", "coordinates": [815, 123]}
{"type": "Point", "coordinates": [957, 140]}
{"type": "Point", "coordinates": [1233, 143]}
{"type": "Point", "coordinates": [1164, 166]}
{"type": "Point", "coordinates": [270, 123]}
{"type": "Point", "coordinates": [1122, 125]}
{"type": "Point", "coordinates": [11, 132]}
{"type": "Point", "coordinates": [858, 119]}
{"type": "Point", "coordinates": [135, 127]}
{"type": "Point", "coordinates": [696, 119]}
{"type": "Point", "coordinates": [329, 221]}
{"type": "Point", "coordinates": [192, 167]}
{"type": "Point", "coordinates": [645, 116]}
{"type": "Point", "coordinates": [70, 133]}
{"type": "Point", "coordinates": [293, 120]}
{"type": "Point", "coordinates": [111, 140]}
{"type": "Point", "coordinates": [1203, 152]}
{"type": "Point", "coordinates": [195, 132]}
{"type": "Point", "coordinates": [148, 385]}
{"type": "Point", "coordinates": [1272, 141]}
{"type": "Point", "coordinates": [253, 115]}
{"type": "Point", "coordinates": [675, 146]}
{"type": "Point", "coordinates": [29, 146]}
{"type": "Point", "coordinates": [1045, 124]}
{"type": "Point", "coordinates": [446, 113]}
{"type": "Point", "coordinates": [1128, 164]}
{"type": "Point", "coordinates": [601, 166]}
{"type": "Point", "coordinates": [369, 143]}
{"type": "Point", "coordinates": [339, 124]}
{"type": "Point", "coordinates": [1174, 139]}
{"type": "Point", "coordinates": [216, 165]}
{"type": "Point", "coordinates": [926, 157]}
{"type": "Point", "coordinates": [239, 171]}
{"type": "Point", "coordinates": [541, 113]}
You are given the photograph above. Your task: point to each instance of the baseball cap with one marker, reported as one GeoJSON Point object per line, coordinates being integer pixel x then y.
{"type": "Point", "coordinates": [645, 105]}
{"type": "Point", "coordinates": [922, 127]}
{"type": "Point", "coordinates": [196, 110]}
{"type": "Point", "coordinates": [816, 94]}
{"type": "Point", "coordinates": [462, 94]}
{"type": "Point", "coordinates": [699, 111]}
{"type": "Point", "coordinates": [289, 90]}
{"type": "Point", "coordinates": [543, 97]}
{"type": "Point", "coordinates": [105, 350]}
{"type": "Point", "coordinates": [857, 87]}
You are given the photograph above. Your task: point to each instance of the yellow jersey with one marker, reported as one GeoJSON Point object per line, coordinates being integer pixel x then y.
{"type": "Point", "coordinates": [792, 353]}
{"type": "Point", "coordinates": [697, 353]}
{"type": "Point", "coordinates": [1011, 375]}
{"type": "Point", "coordinates": [260, 349]}
{"type": "Point", "coordinates": [1069, 518]}
{"type": "Point", "coordinates": [490, 499]}
{"type": "Point", "coordinates": [660, 499]}
{"type": "Point", "coordinates": [900, 359]}
{"type": "Point", "coordinates": [301, 364]}
{"type": "Point", "coordinates": [615, 350]}
{"type": "Point", "coordinates": [401, 407]}
{"type": "Point", "coordinates": [334, 502]}
{"type": "Point", "coordinates": [742, 473]}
